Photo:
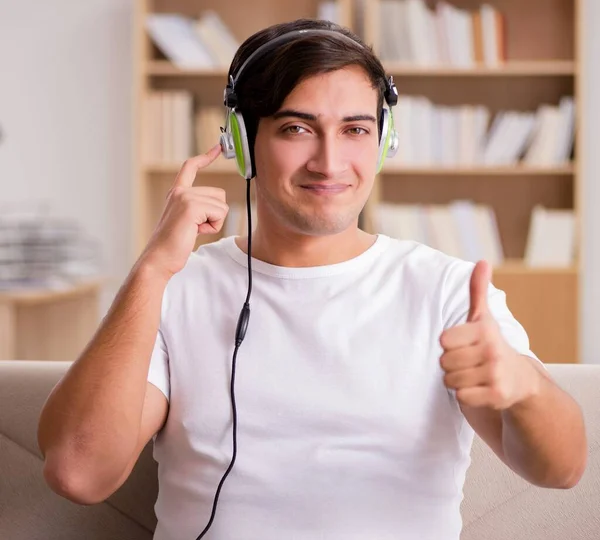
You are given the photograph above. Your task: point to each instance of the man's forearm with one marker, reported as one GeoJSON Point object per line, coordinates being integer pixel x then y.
{"type": "Point", "coordinates": [91, 419]}
{"type": "Point", "coordinates": [544, 436]}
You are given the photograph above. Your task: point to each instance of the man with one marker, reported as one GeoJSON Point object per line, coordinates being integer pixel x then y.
{"type": "Point", "coordinates": [368, 362]}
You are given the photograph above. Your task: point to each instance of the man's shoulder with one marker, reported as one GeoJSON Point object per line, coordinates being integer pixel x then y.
{"type": "Point", "coordinates": [411, 254]}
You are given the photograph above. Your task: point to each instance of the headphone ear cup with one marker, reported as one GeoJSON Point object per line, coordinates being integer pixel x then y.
{"type": "Point", "coordinates": [240, 143]}
{"type": "Point", "coordinates": [384, 139]}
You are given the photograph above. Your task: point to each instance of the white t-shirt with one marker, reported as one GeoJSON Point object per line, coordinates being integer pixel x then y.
{"type": "Point", "coordinates": [345, 428]}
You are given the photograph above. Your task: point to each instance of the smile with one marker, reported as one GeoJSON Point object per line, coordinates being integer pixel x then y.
{"type": "Point", "coordinates": [326, 189]}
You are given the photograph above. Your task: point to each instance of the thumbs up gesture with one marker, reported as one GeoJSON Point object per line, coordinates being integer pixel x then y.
{"type": "Point", "coordinates": [483, 369]}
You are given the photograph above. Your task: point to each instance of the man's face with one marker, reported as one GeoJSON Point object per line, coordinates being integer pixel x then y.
{"type": "Point", "coordinates": [316, 157]}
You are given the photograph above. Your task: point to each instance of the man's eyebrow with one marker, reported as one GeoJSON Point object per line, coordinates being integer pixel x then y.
{"type": "Point", "coordinates": [285, 113]}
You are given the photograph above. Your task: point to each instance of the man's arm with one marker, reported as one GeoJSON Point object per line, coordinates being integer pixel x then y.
{"type": "Point", "coordinates": [535, 427]}
{"type": "Point", "coordinates": [101, 414]}
{"type": "Point", "coordinates": [542, 438]}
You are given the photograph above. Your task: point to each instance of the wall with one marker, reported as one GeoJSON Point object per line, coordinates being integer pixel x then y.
{"type": "Point", "coordinates": [65, 110]}
{"type": "Point", "coordinates": [590, 314]}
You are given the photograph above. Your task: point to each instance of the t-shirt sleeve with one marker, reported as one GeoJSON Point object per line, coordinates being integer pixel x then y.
{"type": "Point", "coordinates": [456, 308]}
{"type": "Point", "coordinates": [158, 374]}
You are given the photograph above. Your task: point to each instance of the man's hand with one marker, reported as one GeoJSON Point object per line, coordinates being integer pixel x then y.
{"type": "Point", "coordinates": [190, 211]}
{"type": "Point", "coordinates": [478, 363]}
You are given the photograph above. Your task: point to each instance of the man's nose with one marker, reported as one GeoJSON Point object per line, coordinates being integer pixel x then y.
{"type": "Point", "coordinates": [329, 159]}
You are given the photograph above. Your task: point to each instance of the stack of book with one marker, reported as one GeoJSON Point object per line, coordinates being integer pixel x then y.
{"type": "Point", "coordinates": [461, 229]}
{"type": "Point", "coordinates": [192, 43]}
{"type": "Point", "coordinates": [412, 33]}
{"type": "Point", "coordinates": [205, 42]}
{"type": "Point", "coordinates": [469, 231]}
{"type": "Point", "coordinates": [167, 135]}
{"type": "Point", "coordinates": [432, 135]}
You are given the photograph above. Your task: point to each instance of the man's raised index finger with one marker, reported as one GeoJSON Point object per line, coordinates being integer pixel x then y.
{"type": "Point", "coordinates": [187, 173]}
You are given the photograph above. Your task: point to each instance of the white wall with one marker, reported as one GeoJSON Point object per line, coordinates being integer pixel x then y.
{"type": "Point", "coordinates": [65, 110]}
{"type": "Point", "coordinates": [590, 313]}
{"type": "Point", "coordinates": [65, 107]}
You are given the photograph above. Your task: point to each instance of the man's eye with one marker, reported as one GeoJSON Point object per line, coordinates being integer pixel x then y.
{"type": "Point", "coordinates": [357, 131]}
{"type": "Point", "coordinates": [294, 130]}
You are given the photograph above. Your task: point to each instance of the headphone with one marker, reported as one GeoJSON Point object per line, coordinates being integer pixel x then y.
{"type": "Point", "coordinates": [234, 140]}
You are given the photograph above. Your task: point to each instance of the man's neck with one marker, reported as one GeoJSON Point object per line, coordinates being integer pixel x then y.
{"type": "Point", "coordinates": [282, 248]}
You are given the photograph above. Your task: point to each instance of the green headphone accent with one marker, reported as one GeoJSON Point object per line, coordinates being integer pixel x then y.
{"type": "Point", "coordinates": [237, 128]}
{"type": "Point", "coordinates": [234, 140]}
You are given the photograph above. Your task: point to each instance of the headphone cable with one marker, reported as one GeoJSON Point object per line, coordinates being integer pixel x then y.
{"type": "Point", "coordinates": [239, 337]}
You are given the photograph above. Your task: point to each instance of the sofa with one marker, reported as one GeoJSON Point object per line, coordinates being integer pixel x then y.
{"type": "Point", "coordinates": [497, 505]}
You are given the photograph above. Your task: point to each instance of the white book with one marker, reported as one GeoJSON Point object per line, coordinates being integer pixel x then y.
{"type": "Point", "coordinates": [467, 137]}
{"type": "Point", "coordinates": [421, 129]}
{"type": "Point", "coordinates": [216, 37]}
{"type": "Point", "coordinates": [176, 37]}
{"type": "Point", "coordinates": [520, 136]}
{"type": "Point", "coordinates": [542, 151]}
{"type": "Point", "coordinates": [463, 213]}
{"type": "Point", "coordinates": [493, 146]}
{"type": "Point", "coordinates": [402, 47]}
{"type": "Point", "coordinates": [444, 231]}
{"type": "Point", "coordinates": [182, 126]}
{"type": "Point", "coordinates": [448, 135]}
{"type": "Point", "coordinates": [442, 37]}
{"type": "Point", "coordinates": [447, 14]}
{"type": "Point", "coordinates": [152, 143]}
{"type": "Point", "coordinates": [489, 235]}
{"type": "Point", "coordinates": [482, 119]}
{"type": "Point", "coordinates": [491, 54]}
{"type": "Point", "coordinates": [565, 131]}
{"type": "Point", "coordinates": [403, 112]}
{"type": "Point", "coordinates": [437, 141]}
{"type": "Point", "coordinates": [388, 31]}
{"type": "Point", "coordinates": [534, 154]}
{"type": "Point", "coordinates": [467, 38]}
{"type": "Point", "coordinates": [329, 11]}
{"type": "Point", "coordinates": [551, 239]}
{"type": "Point", "coordinates": [407, 222]}
{"type": "Point", "coordinates": [166, 108]}
{"type": "Point", "coordinates": [417, 16]}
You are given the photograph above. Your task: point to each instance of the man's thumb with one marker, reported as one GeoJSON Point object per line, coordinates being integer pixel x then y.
{"type": "Point", "coordinates": [478, 290]}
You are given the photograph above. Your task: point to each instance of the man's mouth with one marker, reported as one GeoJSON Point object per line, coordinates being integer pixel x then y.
{"type": "Point", "coordinates": [325, 189]}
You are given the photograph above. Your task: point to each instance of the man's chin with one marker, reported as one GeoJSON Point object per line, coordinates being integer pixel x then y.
{"type": "Point", "coordinates": [322, 226]}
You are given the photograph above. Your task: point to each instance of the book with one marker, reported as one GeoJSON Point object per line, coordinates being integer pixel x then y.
{"type": "Point", "coordinates": [551, 239]}
{"type": "Point", "coordinates": [176, 38]}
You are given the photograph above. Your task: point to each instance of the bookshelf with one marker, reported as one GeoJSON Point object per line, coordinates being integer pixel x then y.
{"type": "Point", "coordinates": [538, 68]}
{"type": "Point", "coordinates": [542, 64]}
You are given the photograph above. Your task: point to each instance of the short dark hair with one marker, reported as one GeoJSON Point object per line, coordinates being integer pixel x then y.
{"type": "Point", "coordinates": [264, 85]}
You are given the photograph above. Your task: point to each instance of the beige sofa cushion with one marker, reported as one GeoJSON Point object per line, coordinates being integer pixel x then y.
{"type": "Point", "coordinates": [28, 508]}
{"type": "Point", "coordinates": [498, 504]}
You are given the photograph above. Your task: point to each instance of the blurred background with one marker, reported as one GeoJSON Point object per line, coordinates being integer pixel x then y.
{"type": "Point", "coordinates": [101, 101]}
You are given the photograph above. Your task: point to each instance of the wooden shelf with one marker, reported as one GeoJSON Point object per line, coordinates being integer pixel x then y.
{"type": "Point", "coordinates": [537, 68]}
{"type": "Point", "coordinates": [520, 170]}
{"type": "Point", "coordinates": [518, 267]}
{"type": "Point", "coordinates": [164, 68]}
{"type": "Point", "coordinates": [228, 167]}
{"type": "Point", "coordinates": [222, 166]}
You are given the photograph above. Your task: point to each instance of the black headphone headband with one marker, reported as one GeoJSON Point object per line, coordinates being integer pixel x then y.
{"type": "Point", "coordinates": [230, 97]}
